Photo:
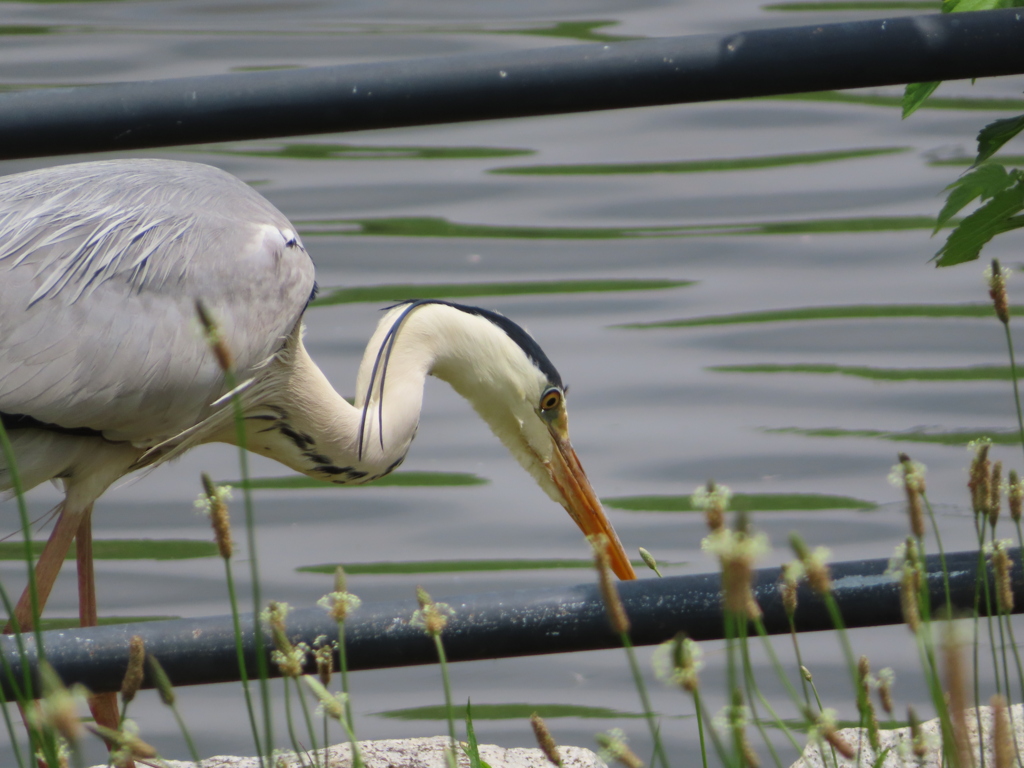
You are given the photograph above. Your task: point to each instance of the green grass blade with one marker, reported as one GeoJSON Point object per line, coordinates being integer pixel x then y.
{"type": "Point", "coordinates": [423, 227]}
{"type": "Point", "coordinates": [842, 312]}
{"type": "Point", "coordinates": [953, 438]}
{"type": "Point", "coordinates": [507, 712]}
{"type": "Point", "coordinates": [698, 166]}
{"type": "Point", "coordinates": [968, 373]}
{"type": "Point", "coordinates": [398, 479]}
{"type": "Point", "coordinates": [896, 102]}
{"type": "Point", "coordinates": [125, 549]}
{"type": "Point", "coordinates": [322, 151]}
{"type": "Point", "coordinates": [744, 502]}
{"type": "Point", "coordinates": [388, 293]}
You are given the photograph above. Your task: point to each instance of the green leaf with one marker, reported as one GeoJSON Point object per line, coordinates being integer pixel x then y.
{"type": "Point", "coordinates": [422, 227]}
{"type": "Point", "coordinates": [959, 437]}
{"type": "Point", "coordinates": [103, 621]}
{"type": "Point", "coordinates": [884, 100]}
{"type": "Point", "coordinates": [472, 748]}
{"type": "Point", "coordinates": [965, 6]}
{"type": "Point", "coordinates": [915, 95]}
{"type": "Point", "coordinates": [983, 182]}
{"type": "Point", "coordinates": [401, 479]}
{"type": "Point", "coordinates": [966, 373]}
{"type": "Point", "coordinates": [996, 134]}
{"type": "Point", "coordinates": [699, 166]}
{"type": "Point", "coordinates": [842, 312]}
{"type": "Point", "coordinates": [996, 216]}
{"type": "Point", "coordinates": [507, 712]}
{"type": "Point", "coordinates": [747, 502]}
{"type": "Point", "coordinates": [320, 151]}
{"type": "Point", "coordinates": [124, 549]}
{"type": "Point", "coordinates": [378, 293]}
{"type": "Point", "coordinates": [854, 5]}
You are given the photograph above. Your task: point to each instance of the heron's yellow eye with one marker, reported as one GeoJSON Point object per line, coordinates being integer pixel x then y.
{"type": "Point", "coordinates": [551, 399]}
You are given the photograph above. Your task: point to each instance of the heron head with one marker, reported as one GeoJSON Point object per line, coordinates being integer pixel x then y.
{"type": "Point", "coordinates": [511, 383]}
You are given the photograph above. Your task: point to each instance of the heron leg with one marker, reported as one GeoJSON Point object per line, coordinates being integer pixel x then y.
{"type": "Point", "coordinates": [102, 705]}
{"type": "Point", "coordinates": [48, 566]}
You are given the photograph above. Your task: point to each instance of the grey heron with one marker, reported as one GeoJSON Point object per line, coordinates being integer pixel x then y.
{"type": "Point", "coordinates": [103, 370]}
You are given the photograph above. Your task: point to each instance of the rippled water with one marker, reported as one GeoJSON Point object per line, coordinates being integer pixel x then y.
{"type": "Point", "coordinates": [835, 213]}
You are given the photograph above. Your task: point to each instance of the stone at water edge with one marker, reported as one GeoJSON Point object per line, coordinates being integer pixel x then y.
{"type": "Point", "coordinates": [898, 741]}
{"type": "Point", "coordinates": [412, 753]}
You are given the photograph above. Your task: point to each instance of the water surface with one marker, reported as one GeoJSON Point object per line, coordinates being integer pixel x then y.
{"type": "Point", "coordinates": [764, 206]}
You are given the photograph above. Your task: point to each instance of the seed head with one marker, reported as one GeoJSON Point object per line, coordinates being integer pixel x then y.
{"type": "Point", "coordinates": [649, 561]}
{"type": "Point", "coordinates": [291, 661]}
{"type": "Point", "coordinates": [678, 661]}
{"type": "Point", "coordinates": [979, 476]}
{"type": "Point", "coordinates": [789, 582]}
{"type": "Point", "coordinates": [339, 604]}
{"type": "Point", "coordinates": [996, 278]}
{"type": "Point", "coordinates": [431, 617]}
{"type": "Point", "coordinates": [125, 744]}
{"type": "Point", "coordinates": [331, 704]}
{"type": "Point", "coordinates": [917, 735]}
{"type": "Point", "coordinates": [815, 564]}
{"type": "Point", "coordinates": [213, 502]}
{"type": "Point", "coordinates": [58, 708]}
{"type": "Point", "coordinates": [994, 489]}
{"type": "Point", "coordinates": [1002, 735]}
{"type": "Point", "coordinates": [886, 679]}
{"type": "Point", "coordinates": [160, 680]}
{"type": "Point", "coordinates": [955, 674]}
{"type": "Point", "coordinates": [734, 719]}
{"type": "Point", "coordinates": [135, 672]}
{"type": "Point", "coordinates": [737, 552]}
{"type": "Point", "coordinates": [1015, 496]}
{"type": "Point", "coordinates": [614, 747]}
{"type": "Point", "coordinates": [274, 616]}
{"type": "Point", "coordinates": [824, 729]}
{"type": "Point", "coordinates": [714, 500]}
{"type": "Point", "coordinates": [324, 657]}
{"type": "Point", "coordinates": [910, 475]}
{"type": "Point", "coordinates": [1003, 567]}
{"type": "Point", "coordinates": [545, 740]}
{"type": "Point", "coordinates": [867, 681]}
{"type": "Point", "coordinates": [609, 590]}
{"type": "Point", "coordinates": [214, 339]}
{"type": "Point", "coordinates": [907, 563]}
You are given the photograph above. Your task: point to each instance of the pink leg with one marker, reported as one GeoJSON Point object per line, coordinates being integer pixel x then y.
{"type": "Point", "coordinates": [103, 705]}
{"type": "Point", "coordinates": [48, 566]}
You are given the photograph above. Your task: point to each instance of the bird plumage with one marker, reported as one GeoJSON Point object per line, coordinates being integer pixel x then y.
{"type": "Point", "coordinates": [100, 267]}
{"type": "Point", "coordinates": [104, 367]}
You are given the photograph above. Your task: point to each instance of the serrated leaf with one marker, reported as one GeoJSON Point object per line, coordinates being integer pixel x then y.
{"type": "Point", "coordinates": [914, 96]}
{"type": "Point", "coordinates": [983, 182]}
{"type": "Point", "coordinates": [993, 218]}
{"type": "Point", "coordinates": [471, 747]}
{"type": "Point", "coordinates": [996, 134]}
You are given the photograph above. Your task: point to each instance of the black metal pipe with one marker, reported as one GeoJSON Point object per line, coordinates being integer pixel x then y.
{"type": "Point", "coordinates": [556, 80]}
{"type": "Point", "coordinates": [495, 625]}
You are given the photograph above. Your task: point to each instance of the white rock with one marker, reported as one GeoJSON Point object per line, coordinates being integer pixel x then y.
{"type": "Point", "coordinates": [410, 753]}
{"type": "Point", "coordinates": [898, 742]}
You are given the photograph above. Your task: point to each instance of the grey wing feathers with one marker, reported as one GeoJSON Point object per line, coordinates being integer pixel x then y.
{"type": "Point", "coordinates": [100, 268]}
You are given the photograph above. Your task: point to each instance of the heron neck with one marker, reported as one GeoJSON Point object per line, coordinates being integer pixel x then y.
{"type": "Point", "coordinates": [304, 423]}
{"type": "Point", "coordinates": [300, 420]}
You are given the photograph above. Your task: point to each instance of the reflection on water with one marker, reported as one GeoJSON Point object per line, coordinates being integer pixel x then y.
{"type": "Point", "coordinates": [625, 246]}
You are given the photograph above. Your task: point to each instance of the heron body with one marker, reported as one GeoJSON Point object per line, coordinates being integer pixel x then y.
{"type": "Point", "coordinates": [104, 368]}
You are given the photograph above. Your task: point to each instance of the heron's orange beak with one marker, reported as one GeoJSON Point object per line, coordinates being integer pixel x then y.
{"type": "Point", "coordinates": [581, 502]}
